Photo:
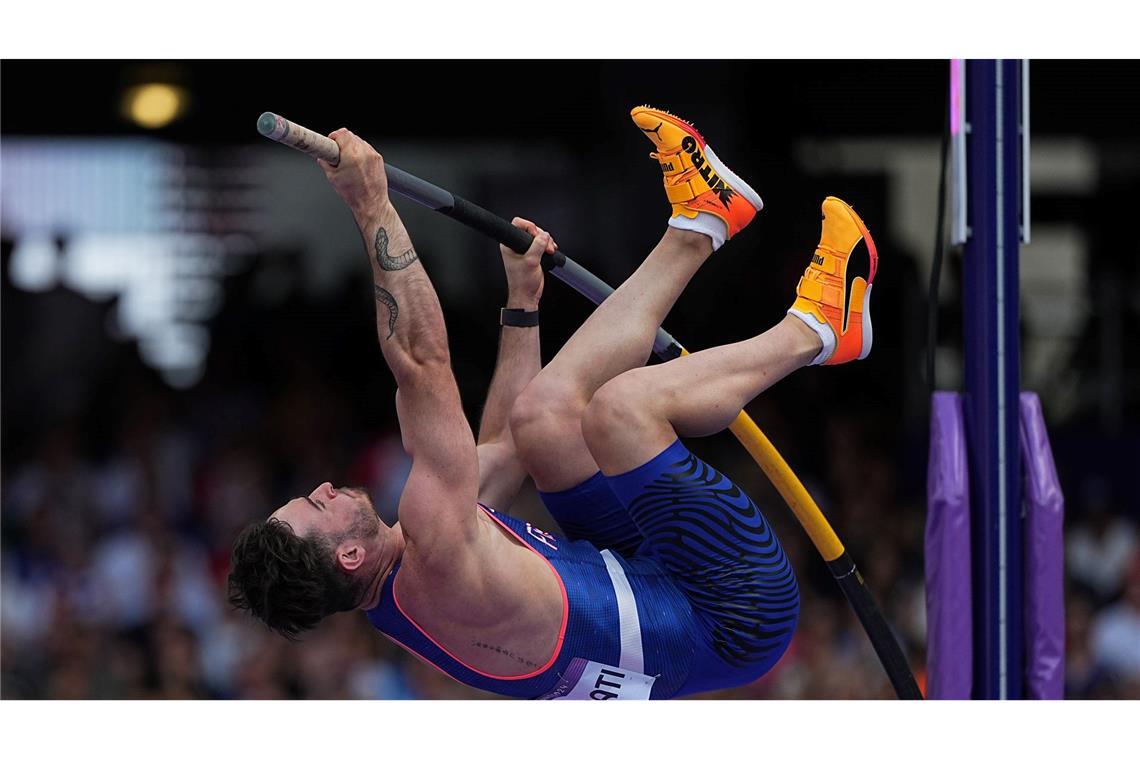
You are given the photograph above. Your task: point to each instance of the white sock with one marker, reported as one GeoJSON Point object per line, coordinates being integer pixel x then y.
{"type": "Point", "coordinates": [704, 223]}
{"type": "Point", "coordinates": [824, 332]}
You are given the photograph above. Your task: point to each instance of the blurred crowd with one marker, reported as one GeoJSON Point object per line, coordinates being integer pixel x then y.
{"type": "Point", "coordinates": [121, 498]}
{"type": "Point", "coordinates": [1102, 604]}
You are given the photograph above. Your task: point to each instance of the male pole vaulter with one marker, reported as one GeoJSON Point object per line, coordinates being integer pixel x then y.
{"type": "Point", "coordinates": [666, 579]}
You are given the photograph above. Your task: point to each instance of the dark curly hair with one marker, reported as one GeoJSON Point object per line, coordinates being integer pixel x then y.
{"type": "Point", "coordinates": [288, 582]}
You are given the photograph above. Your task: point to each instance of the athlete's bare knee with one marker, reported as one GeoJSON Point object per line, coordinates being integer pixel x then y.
{"type": "Point", "coordinates": [544, 410]}
{"type": "Point", "coordinates": [616, 413]}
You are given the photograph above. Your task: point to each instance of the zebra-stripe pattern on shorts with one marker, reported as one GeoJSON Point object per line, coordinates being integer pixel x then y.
{"type": "Point", "coordinates": [721, 551]}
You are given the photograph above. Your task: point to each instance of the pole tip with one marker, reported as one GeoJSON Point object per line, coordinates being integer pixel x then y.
{"type": "Point", "coordinates": [267, 123]}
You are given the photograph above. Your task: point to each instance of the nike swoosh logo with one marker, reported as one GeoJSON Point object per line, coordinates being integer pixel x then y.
{"type": "Point", "coordinates": [655, 130]}
{"type": "Point", "coordinates": [724, 193]}
{"type": "Point", "coordinates": [849, 275]}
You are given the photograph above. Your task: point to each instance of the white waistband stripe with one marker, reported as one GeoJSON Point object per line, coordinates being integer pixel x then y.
{"type": "Point", "coordinates": [632, 657]}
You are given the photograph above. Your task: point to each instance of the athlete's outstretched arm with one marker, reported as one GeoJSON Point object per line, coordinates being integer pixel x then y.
{"type": "Point", "coordinates": [501, 472]}
{"type": "Point", "coordinates": [437, 507]}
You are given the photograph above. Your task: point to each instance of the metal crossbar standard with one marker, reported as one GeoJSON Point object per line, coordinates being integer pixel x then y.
{"type": "Point", "coordinates": [820, 532]}
{"type": "Point", "coordinates": [995, 189]}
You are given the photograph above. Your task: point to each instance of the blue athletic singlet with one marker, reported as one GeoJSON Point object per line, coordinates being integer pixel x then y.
{"type": "Point", "coordinates": [684, 588]}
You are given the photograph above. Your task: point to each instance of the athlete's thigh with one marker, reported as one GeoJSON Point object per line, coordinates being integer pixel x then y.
{"type": "Point", "coordinates": [721, 551]}
{"type": "Point", "coordinates": [591, 511]}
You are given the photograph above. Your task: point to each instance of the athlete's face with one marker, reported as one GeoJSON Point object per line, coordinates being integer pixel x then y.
{"type": "Point", "coordinates": [329, 511]}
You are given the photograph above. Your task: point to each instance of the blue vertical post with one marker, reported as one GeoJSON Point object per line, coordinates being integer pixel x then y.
{"type": "Point", "coordinates": [993, 376]}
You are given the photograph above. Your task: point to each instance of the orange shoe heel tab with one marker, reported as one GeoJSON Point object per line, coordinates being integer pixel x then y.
{"type": "Point", "coordinates": [871, 250]}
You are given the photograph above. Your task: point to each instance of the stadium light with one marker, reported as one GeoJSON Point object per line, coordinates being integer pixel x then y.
{"type": "Point", "coordinates": [154, 105]}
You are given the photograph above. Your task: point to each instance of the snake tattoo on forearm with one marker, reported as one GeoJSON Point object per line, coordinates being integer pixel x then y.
{"type": "Point", "coordinates": [386, 298]}
{"type": "Point", "coordinates": [392, 263]}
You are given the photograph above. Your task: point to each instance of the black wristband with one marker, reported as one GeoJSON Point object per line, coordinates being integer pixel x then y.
{"type": "Point", "coordinates": [518, 318]}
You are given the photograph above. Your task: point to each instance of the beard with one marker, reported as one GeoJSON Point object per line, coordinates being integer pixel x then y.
{"type": "Point", "coordinates": [366, 522]}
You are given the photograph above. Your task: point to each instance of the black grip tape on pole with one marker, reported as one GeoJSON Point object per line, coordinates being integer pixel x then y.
{"type": "Point", "coordinates": [882, 639]}
{"type": "Point", "coordinates": [491, 225]}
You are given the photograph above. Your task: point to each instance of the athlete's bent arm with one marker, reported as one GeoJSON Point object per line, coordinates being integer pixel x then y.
{"type": "Point", "coordinates": [501, 472]}
{"type": "Point", "coordinates": [437, 507]}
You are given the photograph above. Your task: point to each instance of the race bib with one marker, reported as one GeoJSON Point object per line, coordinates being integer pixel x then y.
{"type": "Point", "coordinates": [586, 679]}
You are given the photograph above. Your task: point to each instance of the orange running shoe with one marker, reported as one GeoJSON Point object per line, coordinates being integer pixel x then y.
{"type": "Point", "coordinates": [833, 297]}
{"type": "Point", "coordinates": [697, 184]}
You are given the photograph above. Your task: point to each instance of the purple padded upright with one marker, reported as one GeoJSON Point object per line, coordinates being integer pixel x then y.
{"type": "Point", "coordinates": [949, 614]}
{"type": "Point", "coordinates": [1044, 558]}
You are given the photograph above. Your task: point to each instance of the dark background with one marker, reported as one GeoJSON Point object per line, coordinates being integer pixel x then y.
{"type": "Point", "coordinates": [122, 493]}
